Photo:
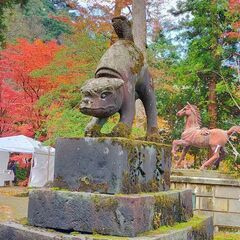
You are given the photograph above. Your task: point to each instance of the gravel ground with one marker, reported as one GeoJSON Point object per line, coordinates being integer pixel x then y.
{"type": "Point", "coordinates": [12, 207]}
{"type": "Point", "coordinates": [227, 236]}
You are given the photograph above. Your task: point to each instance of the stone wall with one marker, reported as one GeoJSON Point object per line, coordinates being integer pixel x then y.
{"type": "Point", "coordinates": [216, 195]}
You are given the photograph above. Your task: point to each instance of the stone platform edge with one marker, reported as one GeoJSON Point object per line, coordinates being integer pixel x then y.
{"type": "Point", "coordinates": [205, 180]}
{"type": "Point", "coordinates": [197, 228]}
{"type": "Point", "coordinates": [120, 140]}
{"type": "Point", "coordinates": [119, 215]}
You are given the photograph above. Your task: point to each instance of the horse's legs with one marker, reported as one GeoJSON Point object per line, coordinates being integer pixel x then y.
{"type": "Point", "coordinates": [182, 157]}
{"type": "Point", "coordinates": [214, 157]}
{"type": "Point", "coordinates": [221, 157]}
{"type": "Point", "coordinates": [175, 145]}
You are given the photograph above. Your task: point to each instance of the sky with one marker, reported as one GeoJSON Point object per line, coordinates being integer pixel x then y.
{"type": "Point", "coordinates": [168, 4]}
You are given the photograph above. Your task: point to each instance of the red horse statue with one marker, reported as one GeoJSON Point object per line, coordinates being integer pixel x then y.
{"type": "Point", "coordinates": [194, 135]}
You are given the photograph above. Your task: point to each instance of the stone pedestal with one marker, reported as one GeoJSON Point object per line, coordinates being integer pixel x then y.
{"type": "Point", "coordinates": [110, 188]}
{"type": "Point", "coordinates": [119, 215]}
{"type": "Point", "coordinates": [112, 165]}
{"type": "Point", "coordinates": [198, 228]}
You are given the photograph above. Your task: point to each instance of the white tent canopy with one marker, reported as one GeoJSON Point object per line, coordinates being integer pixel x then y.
{"type": "Point", "coordinates": [42, 169]}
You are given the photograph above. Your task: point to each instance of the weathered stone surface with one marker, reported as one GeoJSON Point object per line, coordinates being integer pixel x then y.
{"type": "Point", "coordinates": [220, 204]}
{"type": "Point", "coordinates": [112, 165]}
{"type": "Point", "coordinates": [206, 213]}
{"type": "Point", "coordinates": [218, 197]}
{"type": "Point", "coordinates": [201, 180]}
{"type": "Point", "coordinates": [186, 204]}
{"type": "Point", "coordinates": [203, 230]}
{"type": "Point", "coordinates": [206, 203]}
{"type": "Point", "coordinates": [227, 192]}
{"type": "Point", "coordinates": [15, 231]}
{"type": "Point", "coordinates": [234, 206]}
{"type": "Point", "coordinates": [227, 219]}
{"type": "Point", "coordinates": [202, 174]}
{"type": "Point", "coordinates": [201, 190]}
{"type": "Point", "coordinates": [120, 215]}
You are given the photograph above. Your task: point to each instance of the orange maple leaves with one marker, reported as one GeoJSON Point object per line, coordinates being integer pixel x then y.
{"type": "Point", "coordinates": [18, 90]}
{"type": "Point", "coordinates": [234, 7]}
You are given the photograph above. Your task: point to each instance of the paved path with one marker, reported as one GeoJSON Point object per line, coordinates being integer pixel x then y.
{"type": "Point", "coordinates": [11, 207]}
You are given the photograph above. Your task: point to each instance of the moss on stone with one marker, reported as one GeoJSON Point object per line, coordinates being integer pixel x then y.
{"type": "Point", "coordinates": [74, 233]}
{"type": "Point", "coordinates": [86, 185]}
{"type": "Point", "coordinates": [23, 221]}
{"type": "Point", "coordinates": [94, 132]}
{"type": "Point", "coordinates": [227, 236]}
{"type": "Point", "coordinates": [133, 147]}
{"type": "Point", "coordinates": [130, 185]}
{"type": "Point", "coordinates": [195, 222]}
{"type": "Point", "coordinates": [163, 210]}
{"type": "Point", "coordinates": [59, 189]}
{"type": "Point", "coordinates": [136, 55]}
{"type": "Point", "coordinates": [120, 130]}
{"type": "Point", "coordinates": [104, 237]}
{"type": "Point", "coordinates": [102, 204]}
{"type": "Point", "coordinates": [166, 177]}
{"type": "Point", "coordinates": [58, 183]}
{"type": "Point", "coordinates": [133, 142]}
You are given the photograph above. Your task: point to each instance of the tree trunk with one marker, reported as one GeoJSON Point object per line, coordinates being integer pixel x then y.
{"type": "Point", "coordinates": [211, 80]}
{"type": "Point", "coordinates": [139, 29]}
{"type": "Point", "coordinates": [212, 101]}
{"type": "Point", "coordinates": [139, 25]}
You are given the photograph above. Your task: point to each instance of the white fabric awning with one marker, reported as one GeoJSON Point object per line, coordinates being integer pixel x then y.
{"type": "Point", "coordinates": [42, 170]}
{"type": "Point", "coordinates": [23, 144]}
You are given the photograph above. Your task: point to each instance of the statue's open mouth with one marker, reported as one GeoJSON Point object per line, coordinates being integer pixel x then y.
{"type": "Point", "coordinates": [98, 112]}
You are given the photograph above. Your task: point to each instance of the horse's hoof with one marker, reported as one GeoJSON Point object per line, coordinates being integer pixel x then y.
{"type": "Point", "coordinates": [203, 168]}
{"type": "Point", "coordinates": [177, 165]}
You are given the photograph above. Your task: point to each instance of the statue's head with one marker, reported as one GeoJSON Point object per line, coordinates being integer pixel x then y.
{"type": "Point", "coordinates": [102, 97]}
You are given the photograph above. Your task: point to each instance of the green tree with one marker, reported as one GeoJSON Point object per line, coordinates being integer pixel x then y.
{"type": "Point", "coordinates": [5, 4]}
{"type": "Point", "coordinates": [204, 68]}
{"type": "Point", "coordinates": [202, 75]}
{"type": "Point", "coordinates": [73, 65]}
{"type": "Point", "coordinates": [37, 19]}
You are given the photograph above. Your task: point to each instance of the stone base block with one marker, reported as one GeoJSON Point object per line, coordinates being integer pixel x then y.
{"type": "Point", "coordinates": [198, 228]}
{"type": "Point", "coordinates": [112, 165]}
{"type": "Point", "coordinates": [119, 215]}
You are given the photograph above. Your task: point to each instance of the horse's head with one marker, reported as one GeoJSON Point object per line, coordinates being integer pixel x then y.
{"type": "Point", "coordinates": [191, 112]}
{"type": "Point", "coordinates": [186, 111]}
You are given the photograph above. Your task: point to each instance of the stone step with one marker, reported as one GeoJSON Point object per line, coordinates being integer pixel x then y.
{"type": "Point", "coordinates": [111, 165]}
{"type": "Point", "coordinates": [206, 177]}
{"type": "Point", "coordinates": [200, 173]}
{"type": "Point", "coordinates": [119, 215]}
{"type": "Point", "coordinates": [197, 228]}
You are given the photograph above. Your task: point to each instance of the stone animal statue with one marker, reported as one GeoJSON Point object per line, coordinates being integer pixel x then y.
{"type": "Point", "coordinates": [121, 77]}
{"type": "Point", "coordinates": [194, 135]}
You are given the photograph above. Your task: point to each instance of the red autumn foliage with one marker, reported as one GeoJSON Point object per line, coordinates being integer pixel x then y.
{"type": "Point", "coordinates": [21, 159]}
{"type": "Point", "coordinates": [234, 7]}
{"type": "Point", "coordinates": [18, 90]}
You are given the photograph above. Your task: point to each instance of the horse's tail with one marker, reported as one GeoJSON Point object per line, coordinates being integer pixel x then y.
{"type": "Point", "coordinates": [234, 129]}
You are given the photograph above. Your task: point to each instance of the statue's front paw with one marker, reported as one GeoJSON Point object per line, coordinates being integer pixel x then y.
{"type": "Point", "coordinates": [93, 132]}
{"type": "Point", "coordinates": [121, 130]}
{"type": "Point", "coordinates": [153, 137]}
